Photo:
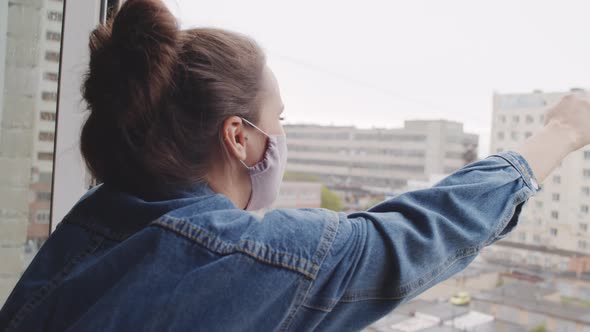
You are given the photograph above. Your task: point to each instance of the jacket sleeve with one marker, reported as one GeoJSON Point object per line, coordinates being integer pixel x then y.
{"type": "Point", "coordinates": [403, 246]}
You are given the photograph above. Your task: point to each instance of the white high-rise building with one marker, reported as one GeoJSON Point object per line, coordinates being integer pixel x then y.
{"type": "Point", "coordinates": [379, 158]}
{"type": "Point", "coordinates": [30, 38]}
{"type": "Point", "coordinates": [557, 217]}
{"type": "Point", "coordinates": [49, 43]}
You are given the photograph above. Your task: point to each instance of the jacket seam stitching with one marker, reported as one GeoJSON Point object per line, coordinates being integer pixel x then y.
{"type": "Point", "coordinates": [214, 238]}
{"type": "Point", "coordinates": [518, 166]}
{"type": "Point", "coordinates": [321, 308]}
{"type": "Point", "coordinates": [41, 293]}
{"type": "Point", "coordinates": [326, 242]}
{"type": "Point", "coordinates": [296, 305]}
{"type": "Point", "coordinates": [235, 248]}
{"type": "Point", "coordinates": [91, 227]}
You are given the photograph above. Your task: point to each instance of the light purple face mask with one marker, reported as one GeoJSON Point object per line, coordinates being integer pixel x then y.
{"type": "Point", "coordinates": [266, 175]}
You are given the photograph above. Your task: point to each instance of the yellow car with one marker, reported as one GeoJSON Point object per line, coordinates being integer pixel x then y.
{"type": "Point", "coordinates": [461, 298]}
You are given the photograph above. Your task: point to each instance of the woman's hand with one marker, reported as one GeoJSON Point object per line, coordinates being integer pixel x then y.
{"type": "Point", "coordinates": [573, 113]}
{"type": "Point", "coordinates": [567, 129]}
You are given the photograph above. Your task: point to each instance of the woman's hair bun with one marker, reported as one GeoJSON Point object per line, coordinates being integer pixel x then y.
{"type": "Point", "coordinates": [132, 61]}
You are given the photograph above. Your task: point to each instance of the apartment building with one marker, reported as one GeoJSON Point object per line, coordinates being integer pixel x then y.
{"type": "Point", "coordinates": [379, 159]}
{"type": "Point", "coordinates": [30, 38]}
{"type": "Point", "coordinates": [558, 217]}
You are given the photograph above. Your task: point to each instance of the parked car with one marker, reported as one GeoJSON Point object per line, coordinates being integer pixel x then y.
{"type": "Point", "coordinates": [461, 298]}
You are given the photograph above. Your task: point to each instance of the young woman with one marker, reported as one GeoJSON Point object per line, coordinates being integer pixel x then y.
{"type": "Point", "coordinates": [185, 134]}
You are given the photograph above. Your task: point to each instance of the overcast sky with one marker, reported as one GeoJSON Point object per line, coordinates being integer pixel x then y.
{"type": "Point", "coordinates": [378, 63]}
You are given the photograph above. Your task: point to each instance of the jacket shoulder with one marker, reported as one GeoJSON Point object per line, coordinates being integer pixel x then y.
{"type": "Point", "coordinates": [296, 239]}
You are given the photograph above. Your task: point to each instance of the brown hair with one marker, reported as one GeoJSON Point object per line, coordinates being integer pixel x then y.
{"type": "Point", "coordinates": [158, 97]}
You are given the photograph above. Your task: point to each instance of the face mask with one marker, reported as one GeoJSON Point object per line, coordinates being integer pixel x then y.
{"type": "Point", "coordinates": [266, 175]}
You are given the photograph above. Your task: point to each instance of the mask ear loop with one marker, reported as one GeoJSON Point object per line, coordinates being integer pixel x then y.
{"type": "Point", "coordinates": [253, 125]}
{"type": "Point", "coordinates": [260, 130]}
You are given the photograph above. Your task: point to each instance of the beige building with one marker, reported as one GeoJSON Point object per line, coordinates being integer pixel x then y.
{"type": "Point", "coordinates": [49, 42]}
{"type": "Point", "coordinates": [558, 216]}
{"type": "Point", "coordinates": [379, 159]}
{"type": "Point", "coordinates": [30, 36]}
{"type": "Point", "coordinates": [297, 195]}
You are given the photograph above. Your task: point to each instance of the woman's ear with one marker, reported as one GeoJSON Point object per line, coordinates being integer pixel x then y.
{"type": "Point", "coordinates": [235, 137]}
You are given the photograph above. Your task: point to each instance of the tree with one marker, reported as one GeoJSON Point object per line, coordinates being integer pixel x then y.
{"type": "Point", "coordinates": [539, 328]}
{"type": "Point", "coordinates": [330, 200]}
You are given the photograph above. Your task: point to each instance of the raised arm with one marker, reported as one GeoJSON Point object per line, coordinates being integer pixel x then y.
{"type": "Point", "coordinates": [383, 257]}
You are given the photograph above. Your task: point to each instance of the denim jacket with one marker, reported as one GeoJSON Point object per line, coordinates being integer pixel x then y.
{"type": "Point", "coordinates": [195, 262]}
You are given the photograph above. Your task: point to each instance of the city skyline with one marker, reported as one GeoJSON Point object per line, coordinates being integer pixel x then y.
{"type": "Point", "coordinates": [344, 63]}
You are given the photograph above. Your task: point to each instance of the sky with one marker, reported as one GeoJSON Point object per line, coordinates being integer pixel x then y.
{"type": "Point", "coordinates": [378, 63]}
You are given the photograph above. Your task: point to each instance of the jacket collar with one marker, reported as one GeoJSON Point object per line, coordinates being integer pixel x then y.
{"type": "Point", "coordinates": [117, 215]}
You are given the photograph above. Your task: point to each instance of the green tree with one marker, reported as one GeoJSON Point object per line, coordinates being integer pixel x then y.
{"type": "Point", "coordinates": [330, 200]}
{"type": "Point", "coordinates": [539, 328]}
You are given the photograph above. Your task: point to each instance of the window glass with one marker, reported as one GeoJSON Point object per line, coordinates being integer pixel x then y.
{"type": "Point", "coordinates": [30, 40]}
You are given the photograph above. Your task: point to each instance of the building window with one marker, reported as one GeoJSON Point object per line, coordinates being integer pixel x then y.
{"type": "Point", "coordinates": [514, 135]}
{"type": "Point", "coordinates": [529, 119]}
{"type": "Point", "coordinates": [45, 177]}
{"type": "Point", "coordinates": [515, 119]}
{"type": "Point", "coordinates": [583, 227]}
{"type": "Point", "coordinates": [557, 179]}
{"type": "Point", "coordinates": [47, 116]}
{"type": "Point", "coordinates": [522, 236]}
{"type": "Point", "coordinates": [42, 217]}
{"type": "Point", "coordinates": [45, 156]}
{"type": "Point", "coordinates": [587, 155]}
{"type": "Point", "coordinates": [54, 16]}
{"type": "Point", "coordinates": [563, 266]}
{"type": "Point", "coordinates": [52, 56]}
{"type": "Point", "coordinates": [586, 191]}
{"type": "Point", "coordinates": [46, 136]}
{"type": "Point", "coordinates": [501, 135]}
{"type": "Point", "coordinates": [547, 262]}
{"type": "Point", "coordinates": [49, 96]}
{"type": "Point", "coordinates": [539, 204]}
{"type": "Point", "coordinates": [43, 196]}
{"type": "Point", "coordinates": [554, 215]}
{"type": "Point", "coordinates": [582, 244]}
{"type": "Point", "coordinates": [503, 118]}
{"type": "Point", "coordinates": [584, 209]}
{"type": "Point", "coordinates": [50, 76]}
{"type": "Point", "coordinates": [553, 231]}
{"type": "Point", "coordinates": [587, 173]}
{"type": "Point", "coordinates": [536, 239]}
{"type": "Point", "coordinates": [528, 134]}
{"type": "Point", "coordinates": [54, 36]}
{"type": "Point", "coordinates": [555, 197]}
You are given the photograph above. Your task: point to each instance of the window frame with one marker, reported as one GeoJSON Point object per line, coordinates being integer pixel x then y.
{"type": "Point", "coordinates": [70, 177]}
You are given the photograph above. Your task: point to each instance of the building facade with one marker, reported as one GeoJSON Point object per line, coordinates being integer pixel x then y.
{"type": "Point", "coordinates": [558, 217]}
{"type": "Point", "coordinates": [49, 43]}
{"type": "Point", "coordinates": [297, 195]}
{"type": "Point", "coordinates": [30, 39]}
{"type": "Point", "coordinates": [379, 159]}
